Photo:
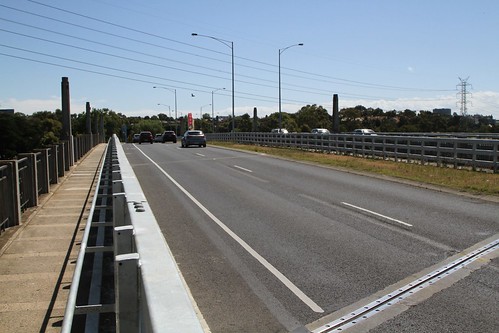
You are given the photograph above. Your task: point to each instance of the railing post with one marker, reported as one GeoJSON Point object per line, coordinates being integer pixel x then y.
{"type": "Point", "coordinates": [32, 179]}
{"type": "Point", "coordinates": [54, 164]}
{"type": "Point", "coordinates": [127, 292]}
{"type": "Point", "coordinates": [11, 194]}
{"type": "Point", "coordinates": [44, 171]}
{"type": "Point", "coordinates": [61, 162]}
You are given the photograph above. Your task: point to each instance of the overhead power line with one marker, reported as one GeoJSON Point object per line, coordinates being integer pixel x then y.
{"type": "Point", "coordinates": [345, 81]}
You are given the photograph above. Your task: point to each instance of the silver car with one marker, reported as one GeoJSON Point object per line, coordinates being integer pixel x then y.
{"type": "Point", "coordinates": [193, 137]}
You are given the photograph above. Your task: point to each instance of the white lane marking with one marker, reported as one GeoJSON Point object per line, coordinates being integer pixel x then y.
{"type": "Point", "coordinates": [290, 285]}
{"type": "Point", "coordinates": [199, 154]}
{"type": "Point", "coordinates": [241, 168]}
{"type": "Point", "coordinates": [379, 215]}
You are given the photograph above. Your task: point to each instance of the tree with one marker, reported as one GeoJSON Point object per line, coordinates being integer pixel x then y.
{"type": "Point", "coordinates": [244, 123]}
{"type": "Point", "coordinates": [313, 116]}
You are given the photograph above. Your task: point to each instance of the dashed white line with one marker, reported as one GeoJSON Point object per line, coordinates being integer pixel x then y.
{"type": "Point", "coordinates": [379, 215]}
{"type": "Point", "coordinates": [241, 168]}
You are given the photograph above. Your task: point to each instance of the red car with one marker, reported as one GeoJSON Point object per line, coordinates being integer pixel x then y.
{"type": "Point", "coordinates": [146, 136]}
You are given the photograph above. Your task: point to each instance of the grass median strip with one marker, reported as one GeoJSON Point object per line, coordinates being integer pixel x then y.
{"type": "Point", "coordinates": [473, 182]}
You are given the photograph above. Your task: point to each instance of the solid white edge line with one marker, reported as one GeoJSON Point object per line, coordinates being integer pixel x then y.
{"type": "Point", "coordinates": [290, 285]}
{"type": "Point", "coordinates": [241, 168]}
{"type": "Point", "coordinates": [377, 214]}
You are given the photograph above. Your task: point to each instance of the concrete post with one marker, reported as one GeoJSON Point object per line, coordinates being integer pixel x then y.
{"type": "Point", "coordinates": [101, 128]}
{"type": "Point", "coordinates": [66, 118]}
{"type": "Point", "coordinates": [336, 115]}
{"type": "Point", "coordinates": [255, 120]}
{"type": "Point", "coordinates": [88, 118]}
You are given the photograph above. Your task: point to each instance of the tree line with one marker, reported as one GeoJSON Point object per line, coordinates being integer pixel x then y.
{"type": "Point", "coordinates": [23, 133]}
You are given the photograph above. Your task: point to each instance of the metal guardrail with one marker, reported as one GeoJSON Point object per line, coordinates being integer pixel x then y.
{"type": "Point", "coordinates": [25, 179]}
{"type": "Point", "coordinates": [457, 152]}
{"type": "Point", "coordinates": [148, 292]}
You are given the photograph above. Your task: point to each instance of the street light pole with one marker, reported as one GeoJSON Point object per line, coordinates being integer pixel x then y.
{"type": "Point", "coordinates": [175, 93]}
{"type": "Point", "coordinates": [230, 45]}
{"type": "Point", "coordinates": [169, 114]}
{"type": "Point", "coordinates": [280, 52]}
{"type": "Point", "coordinates": [213, 108]}
{"type": "Point", "coordinates": [169, 110]}
{"type": "Point", "coordinates": [201, 116]}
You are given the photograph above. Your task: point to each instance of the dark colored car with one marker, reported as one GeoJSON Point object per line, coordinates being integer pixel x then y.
{"type": "Point", "coordinates": [169, 136]}
{"type": "Point", "coordinates": [158, 138]}
{"type": "Point", "coordinates": [146, 136]}
{"type": "Point", "coordinates": [193, 137]}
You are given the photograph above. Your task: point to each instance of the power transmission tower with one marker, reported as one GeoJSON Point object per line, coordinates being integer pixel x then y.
{"type": "Point", "coordinates": [463, 92]}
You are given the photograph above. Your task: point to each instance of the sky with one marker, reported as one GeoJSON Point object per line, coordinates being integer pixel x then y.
{"type": "Point", "coordinates": [388, 54]}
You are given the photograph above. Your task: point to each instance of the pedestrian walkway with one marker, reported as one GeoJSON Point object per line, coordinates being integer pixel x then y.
{"type": "Point", "coordinates": [37, 258]}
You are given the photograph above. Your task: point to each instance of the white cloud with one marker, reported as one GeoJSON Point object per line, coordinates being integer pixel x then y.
{"type": "Point", "coordinates": [30, 106]}
{"type": "Point", "coordinates": [481, 102]}
{"type": "Point", "coordinates": [484, 103]}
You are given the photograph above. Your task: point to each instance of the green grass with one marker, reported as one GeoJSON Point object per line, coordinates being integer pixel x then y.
{"type": "Point", "coordinates": [462, 180]}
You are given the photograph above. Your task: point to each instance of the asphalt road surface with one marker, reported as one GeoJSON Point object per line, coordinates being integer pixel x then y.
{"type": "Point", "coordinates": [269, 245]}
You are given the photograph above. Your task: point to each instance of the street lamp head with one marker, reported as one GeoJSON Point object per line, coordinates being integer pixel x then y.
{"type": "Point", "coordinates": [301, 44]}
{"type": "Point", "coordinates": [154, 87]}
{"type": "Point", "coordinates": [194, 34]}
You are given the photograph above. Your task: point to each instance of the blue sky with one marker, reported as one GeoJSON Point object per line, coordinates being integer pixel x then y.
{"type": "Point", "coordinates": [389, 54]}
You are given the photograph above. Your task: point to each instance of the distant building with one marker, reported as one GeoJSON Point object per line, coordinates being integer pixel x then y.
{"type": "Point", "coordinates": [445, 112]}
{"type": "Point", "coordinates": [9, 111]}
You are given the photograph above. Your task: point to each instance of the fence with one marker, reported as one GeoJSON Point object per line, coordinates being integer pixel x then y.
{"type": "Point", "coordinates": [146, 292]}
{"type": "Point", "coordinates": [441, 150]}
{"type": "Point", "coordinates": [23, 180]}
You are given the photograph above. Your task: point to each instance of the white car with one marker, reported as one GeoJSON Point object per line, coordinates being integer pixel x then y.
{"type": "Point", "coordinates": [279, 130]}
{"type": "Point", "coordinates": [320, 131]}
{"type": "Point", "coordinates": [364, 131]}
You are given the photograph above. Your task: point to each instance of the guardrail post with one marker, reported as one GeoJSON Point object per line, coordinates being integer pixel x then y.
{"type": "Point", "coordinates": [118, 186]}
{"type": "Point", "coordinates": [120, 216]}
{"type": "Point", "coordinates": [123, 239]}
{"type": "Point", "coordinates": [127, 292]}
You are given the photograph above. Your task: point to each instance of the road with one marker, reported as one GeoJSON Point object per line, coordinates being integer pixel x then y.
{"type": "Point", "coordinates": [269, 245]}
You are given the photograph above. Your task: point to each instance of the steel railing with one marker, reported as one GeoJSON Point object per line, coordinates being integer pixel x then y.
{"type": "Point", "coordinates": [25, 179]}
{"type": "Point", "coordinates": [148, 290]}
{"type": "Point", "coordinates": [440, 150]}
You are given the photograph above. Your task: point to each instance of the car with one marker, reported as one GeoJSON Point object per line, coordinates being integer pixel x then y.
{"type": "Point", "coordinates": [320, 131]}
{"type": "Point", "coordinates": [279, 130]}
{"type": "Point", "coordinates": [136, 138]}
{"type": "Point", "coordinates": [158, 138]}
{"type": "Point", "coordinates": [146, 136]}
{"type": "Point", "coordinates": [169, 136]}
{"type": "Point", "coordinates": [364, 131]}
{"type": "Point", "coordinates": [193, 137]}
